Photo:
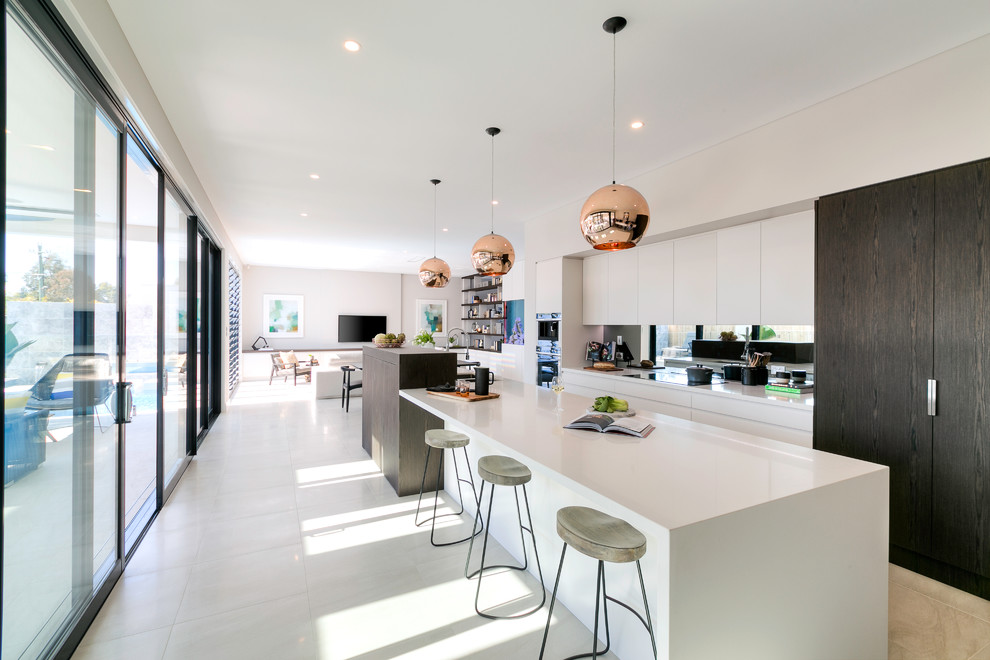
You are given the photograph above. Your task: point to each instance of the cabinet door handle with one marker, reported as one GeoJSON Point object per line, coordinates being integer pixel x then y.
{"type": "Point", "coordinates": [932, 397]}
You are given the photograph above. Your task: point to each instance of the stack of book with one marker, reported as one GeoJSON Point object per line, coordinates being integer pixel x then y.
{"type": "Point", "coordinates": [792, 388]}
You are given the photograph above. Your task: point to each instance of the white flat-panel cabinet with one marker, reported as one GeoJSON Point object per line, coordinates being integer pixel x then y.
{"type": "Point", "coordinates": [738, 275]}
{"type": "Point", "coordinates": [656, 284]}
{"type": "Point", "coordinates": [549, 286]}
{"type": "Point", "coordinates": [622, 297]}
{"type": "Point", "coordinates": [695, 285]}
{"type": "Point", "coordinates": [787, 280]}
{"type": "Point", "coordinates": [513, 287]}
{"type": "Point", "coordinates": [596, 284]}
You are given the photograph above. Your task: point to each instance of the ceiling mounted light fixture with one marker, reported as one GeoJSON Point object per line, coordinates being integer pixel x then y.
{"type": "Point", "coordinates": [352, 45]}
{"type": "Point", "coordinates": [493, 254]}
{"type": "Point", "coordinates": [434, 273]}
{"type": "Point", "coordinates": [615, 217]}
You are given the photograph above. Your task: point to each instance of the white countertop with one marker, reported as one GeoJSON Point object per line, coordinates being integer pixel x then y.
{"type": "Point", "coordinates": [677, 379]}
{"type": "Point", "coordinates": [682, 473]}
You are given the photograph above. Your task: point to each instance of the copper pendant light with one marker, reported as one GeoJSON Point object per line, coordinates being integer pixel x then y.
{"type": "Point", "coordinates": [615, 217]}
{"type": "Point", "coordinates": [434, 273]}
{"type": "Point", "coordinates": [493, 254]}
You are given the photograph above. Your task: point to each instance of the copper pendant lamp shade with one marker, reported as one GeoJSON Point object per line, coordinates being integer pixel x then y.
{"type": "Point", "coordinates": [615, 217]}
{"type": "Point", "coordinates": [493, 254]}
{"type": "Point", "coordinates": [434, 273]}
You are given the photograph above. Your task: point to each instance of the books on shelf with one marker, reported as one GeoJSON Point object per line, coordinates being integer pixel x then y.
{"type": "Point", "coordinates": [607, 424]}
{"type": "Point", "coordinates": [793, 388]}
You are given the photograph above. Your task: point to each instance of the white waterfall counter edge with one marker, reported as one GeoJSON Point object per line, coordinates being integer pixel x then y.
{"type": "Point", "coordinates": [757, 548]}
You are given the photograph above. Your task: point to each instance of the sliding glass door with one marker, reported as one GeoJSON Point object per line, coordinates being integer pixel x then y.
{"type": "Point", "coordinates": [61, 348]}
{"type": "Point", "coordinates": [141, 340]}
{"type": "Point", "coordinates": [112, 366]}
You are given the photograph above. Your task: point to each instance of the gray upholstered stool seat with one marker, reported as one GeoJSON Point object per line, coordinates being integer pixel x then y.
{"type": "Point", "coordinates": [599, 535]}
{"type": "Point", "coordinates": [503, 471]}
{"type": "Point", "coordinates": [444, 439]}
{"type": "Point", "coordinates": [607, 539]}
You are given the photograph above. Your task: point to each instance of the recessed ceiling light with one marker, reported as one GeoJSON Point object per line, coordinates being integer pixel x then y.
{"type": "Point", "coordinates": [637, 124]}
{"type": "Point", "coordinates": [314, 176]}
{"type": "Point", "coordinates": [352, 46]}
{"type": "Point", "coordinates": [445, 229]}
{"type": "Point", "coordinates": [305, 215]}
{"type": "Point", "coordinates": [44, 147]}
{"type": "Point", "coordinates": [494, 202]}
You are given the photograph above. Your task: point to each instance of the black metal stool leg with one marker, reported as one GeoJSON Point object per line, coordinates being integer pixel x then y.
{"type": "Point", "coordinates": [553, 599]}
{"type": "Point", "coordinates": [477, 519]}
{"type": "Point", "coordinates": [522, 538]}
{"type": "Point", "coordinates": [436, 501]}
{"type": "Point", "coordinates": [646, 608]}
{"type": "Point", "coordinates": [422, 485]}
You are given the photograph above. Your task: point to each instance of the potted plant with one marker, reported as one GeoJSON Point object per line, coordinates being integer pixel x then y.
{"type": "Point", "coordinates": [423, 337]}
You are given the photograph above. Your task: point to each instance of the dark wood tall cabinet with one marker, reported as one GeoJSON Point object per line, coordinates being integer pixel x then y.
{"type": "Point", "coordinates": [902, 311]}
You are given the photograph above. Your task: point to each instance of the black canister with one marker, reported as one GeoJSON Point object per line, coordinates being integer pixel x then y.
{"type": "Point", "coordinates": [732, 371]}
{"type": "Point", "coordinates": [755, 375]}
{"type": "Point", "coordinates": [482, 379]}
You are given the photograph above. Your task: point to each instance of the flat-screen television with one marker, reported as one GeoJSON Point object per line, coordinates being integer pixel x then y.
{"type": "Point", "coordinates": [359, 328]}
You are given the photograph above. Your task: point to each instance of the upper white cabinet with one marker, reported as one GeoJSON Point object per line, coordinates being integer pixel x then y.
{"type": "Point", "coordinates": [513, 282]}
{"type": "Point", "coordinates": [596, 286]}
{"type": "Point", "coordinates": [622, 295]}
{"type": "Point", "coordinates": [695, 286]}
{"type": "Point", "coordinates": [656, 284]}
{"type": "Point", "coordinates": [738, 275]}
{"type": "Point", "coordinates": [787, 277]}
{"type": "Point", "coordinates": [549, 286]}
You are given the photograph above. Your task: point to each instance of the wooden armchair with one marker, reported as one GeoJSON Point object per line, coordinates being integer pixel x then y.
{"type": "Point", "coordinates": [286, 364]}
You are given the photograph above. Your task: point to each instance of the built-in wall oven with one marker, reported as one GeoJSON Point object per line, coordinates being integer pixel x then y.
{"type": "Point", "coordinates": [547, 348]}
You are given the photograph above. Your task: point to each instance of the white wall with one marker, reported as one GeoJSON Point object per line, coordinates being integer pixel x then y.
{"type": "Point", "coordinates": [929, 115]}
{"type": "Point", "coordinates": [327, 293]}
{"type": "Point", "coordinates": [412, 291]}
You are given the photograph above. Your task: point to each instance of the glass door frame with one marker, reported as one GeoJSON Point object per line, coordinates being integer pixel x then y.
{"type": "Point", "coordinates": [49, 27]}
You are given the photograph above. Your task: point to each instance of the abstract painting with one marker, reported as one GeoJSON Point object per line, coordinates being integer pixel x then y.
{"type": "Point", "coordinates": [283, 315]}
{"type": "Point", "coordinates": [431, 315]}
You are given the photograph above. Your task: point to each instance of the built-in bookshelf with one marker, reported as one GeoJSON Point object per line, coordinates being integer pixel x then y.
{"type": "Point", "coordinates": [483, 312]}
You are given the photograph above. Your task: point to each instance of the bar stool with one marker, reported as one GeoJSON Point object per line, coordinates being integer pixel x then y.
{"type": "Point", "coordinates": [345, 390]}
{"type": "Point", "coordinates": [605, 538]}
{"type": "Point", "coordinates": [503, 471]}
{"type": "Point", "coordinates": [443, 439]}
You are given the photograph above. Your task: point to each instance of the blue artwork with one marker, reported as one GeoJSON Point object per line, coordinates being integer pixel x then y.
{"type": "Point", "coordinates": [514, 315]}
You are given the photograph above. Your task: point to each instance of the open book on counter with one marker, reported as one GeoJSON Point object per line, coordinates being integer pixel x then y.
{"type": "Point", "coordinates": [607, 424]}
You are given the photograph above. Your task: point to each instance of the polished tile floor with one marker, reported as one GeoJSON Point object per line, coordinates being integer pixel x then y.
{"type": "Point", "coordinates": [284, 541]}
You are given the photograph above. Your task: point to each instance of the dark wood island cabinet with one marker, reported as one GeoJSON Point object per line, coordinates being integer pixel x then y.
{"type": "Point", "coordinates": [392, 429]}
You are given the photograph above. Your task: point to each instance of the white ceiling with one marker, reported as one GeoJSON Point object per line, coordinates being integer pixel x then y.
{"type": "Point", "coordinates": [262, 94]}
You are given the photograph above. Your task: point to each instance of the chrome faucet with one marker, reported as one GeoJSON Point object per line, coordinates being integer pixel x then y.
{"type": "Point", "coordinates": [745, 355]}
{"type": "Point", "coordinates": [462, 333]}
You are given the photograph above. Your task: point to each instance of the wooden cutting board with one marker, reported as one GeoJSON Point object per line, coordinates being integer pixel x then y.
{"type": "Point", "coordinates": [471, 396]}
{"type": "Point", "coordinates": [597, 369]}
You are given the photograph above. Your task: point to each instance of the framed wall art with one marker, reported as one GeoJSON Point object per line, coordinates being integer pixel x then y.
{"type": "Point", "coordinates": [283, 315]}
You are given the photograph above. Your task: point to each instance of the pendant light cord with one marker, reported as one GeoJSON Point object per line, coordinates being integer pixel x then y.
{"type": "Point", "coordinates": [613, 108]}
{"type": "Point", "coordinates": [493, 184]}
{"type": "Point", "coordinates": [434, 220]}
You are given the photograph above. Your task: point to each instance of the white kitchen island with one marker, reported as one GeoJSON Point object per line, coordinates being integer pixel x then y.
{"type": "Point", "coordinates": [757, 548]}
